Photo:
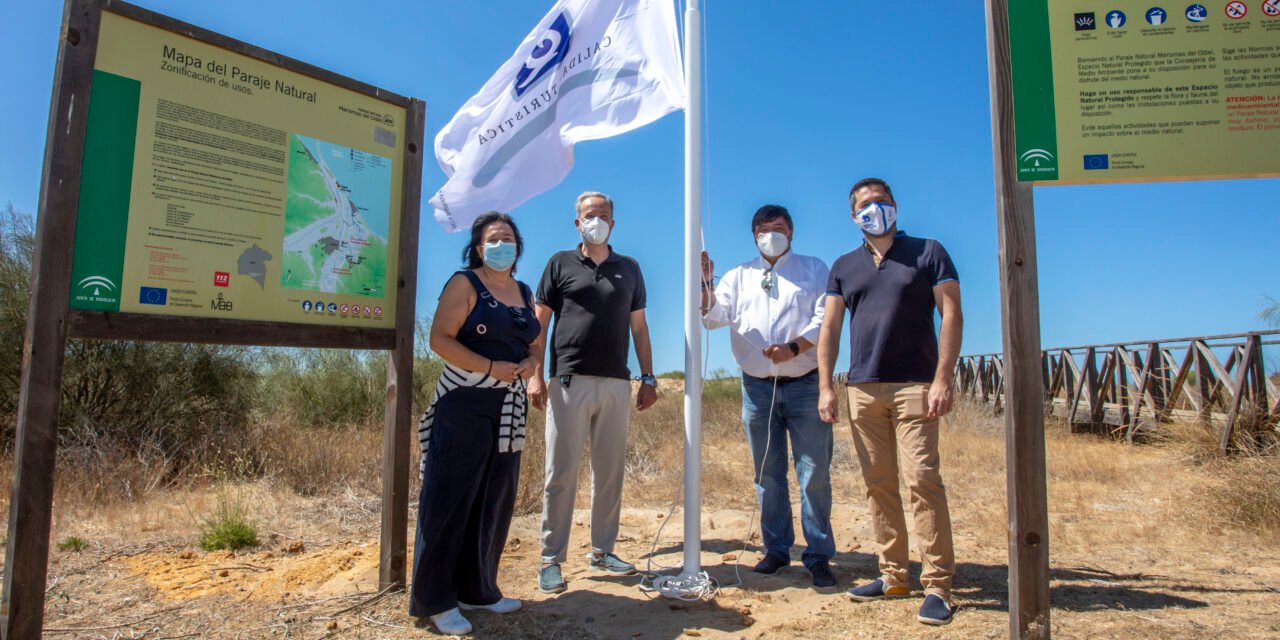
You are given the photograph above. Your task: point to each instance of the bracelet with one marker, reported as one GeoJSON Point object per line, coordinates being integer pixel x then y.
{"type": "Point", "coordinates": [490, 371]}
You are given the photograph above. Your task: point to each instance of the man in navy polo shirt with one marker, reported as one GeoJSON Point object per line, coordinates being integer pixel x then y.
{"type": "Point", "coordinates": [899, 384]}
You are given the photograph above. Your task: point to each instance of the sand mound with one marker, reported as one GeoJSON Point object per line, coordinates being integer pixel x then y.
{"type": "Point", "coordinates": [273, 576]}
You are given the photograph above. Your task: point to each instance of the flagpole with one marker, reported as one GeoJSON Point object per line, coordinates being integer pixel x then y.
{"type": "Point", "coordinates": [692, 300]}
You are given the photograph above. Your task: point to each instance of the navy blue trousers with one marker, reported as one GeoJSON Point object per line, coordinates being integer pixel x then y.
{"type": "Point", "coordinates": [464, 511]}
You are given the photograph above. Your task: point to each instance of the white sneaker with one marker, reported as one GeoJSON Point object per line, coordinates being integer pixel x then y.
{"type": "Point", "coordinates": [505, 605]}
{"type": "Point", "coordinates": [451, 623]}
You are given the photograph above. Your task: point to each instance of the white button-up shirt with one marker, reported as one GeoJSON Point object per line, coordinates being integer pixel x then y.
{"type": "Point", "coordinates": [792, 307]}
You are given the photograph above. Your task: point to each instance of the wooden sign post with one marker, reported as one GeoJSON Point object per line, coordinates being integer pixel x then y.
{"type": "Point", "coordinates": [1023, 376]}
{"type": "Point", "coordinates": [201, 92]}
{"type": "Point", "coordinates": [1082, 96]}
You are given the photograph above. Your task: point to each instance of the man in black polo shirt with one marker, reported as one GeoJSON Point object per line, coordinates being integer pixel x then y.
{"type": "Point", "coordinates": [597, 298]}
{"type": "Point", "coordinates": [899, 384]}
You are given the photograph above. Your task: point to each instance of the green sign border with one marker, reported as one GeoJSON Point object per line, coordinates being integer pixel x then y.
{"type": "Point", "coordinates": [106, 184]}
{"type": "Point", "coordinates": [1034, 118]}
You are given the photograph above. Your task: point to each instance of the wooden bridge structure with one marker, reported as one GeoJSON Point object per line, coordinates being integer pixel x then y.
{"type": "Point", "coordinates": [1125, 388]}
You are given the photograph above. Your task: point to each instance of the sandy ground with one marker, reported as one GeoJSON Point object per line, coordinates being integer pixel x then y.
{"type": "Point", "coordinates": [1133, 555]}
{"type": "Point", "coordinates": [328, 588]}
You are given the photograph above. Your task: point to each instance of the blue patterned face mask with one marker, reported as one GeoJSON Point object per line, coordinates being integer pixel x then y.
{"type": "Point", "coordinates": [499, 255]}
{"type": "Point", "coordinates": [877, 218]}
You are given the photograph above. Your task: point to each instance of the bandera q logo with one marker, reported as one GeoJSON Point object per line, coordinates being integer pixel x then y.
{"type": "Point", "coordinates": [551, 48]}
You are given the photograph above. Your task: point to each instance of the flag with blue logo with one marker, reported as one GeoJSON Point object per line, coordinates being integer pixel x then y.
{"type": "Point", "coordinates": [591, 69]}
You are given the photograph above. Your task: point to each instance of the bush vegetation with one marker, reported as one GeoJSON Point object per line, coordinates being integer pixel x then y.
{"type": "Point", "coordinates": [228, 528]}
{"type": "Point", "coordinates": [73, 544]}
{"type": "Point", "coordinates": [137, 417]}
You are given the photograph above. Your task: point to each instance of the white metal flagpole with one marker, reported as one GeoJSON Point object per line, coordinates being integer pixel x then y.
{"type": "Point", "coordinates": [692, 286]}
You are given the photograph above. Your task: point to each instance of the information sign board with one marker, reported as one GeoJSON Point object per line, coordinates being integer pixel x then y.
{"type": "Point", "coordinates": [218, 185]}
{"type": "Point", "coordinates": [1126, 91]}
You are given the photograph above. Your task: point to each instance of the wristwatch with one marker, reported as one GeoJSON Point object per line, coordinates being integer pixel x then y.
{"type": "Point", "coordinates": [649, 379]}
{"type": "Point", "coordinates": [795, 348]}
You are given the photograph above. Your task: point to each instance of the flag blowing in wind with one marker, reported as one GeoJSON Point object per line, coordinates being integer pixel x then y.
{"type": "Point", "coordinates": [590, 69]}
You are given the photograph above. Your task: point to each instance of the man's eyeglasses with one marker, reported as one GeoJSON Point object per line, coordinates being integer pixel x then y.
{"type": "Point", "coordinates": [767, 282]}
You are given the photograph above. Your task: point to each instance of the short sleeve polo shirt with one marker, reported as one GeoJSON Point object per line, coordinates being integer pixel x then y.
{"type": "Point", "coordinates": [891, 331]}
{"type": "Point", "coordinates": [592, 305]}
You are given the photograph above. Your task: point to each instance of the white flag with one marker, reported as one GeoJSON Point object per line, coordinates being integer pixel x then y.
{"type": "Point", "coordinates": [591, 69]}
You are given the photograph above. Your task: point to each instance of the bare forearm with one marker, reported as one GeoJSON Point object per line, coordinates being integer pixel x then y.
{"type": "Point", "coordinates": [828, 349]}
{"type": "Point", "coordinates": [949, 346]}
{"type": "Point", "coordinates": [538, 350]}
{"type": "Point", "coordinates": [829, 341]}
{"type": "Point", "coordinates": [453, 352]}
{"type": "Point", "coordinates": [644, 351]}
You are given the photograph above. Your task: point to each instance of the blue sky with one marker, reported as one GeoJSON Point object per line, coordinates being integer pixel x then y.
{"type": "Point", "coordinates": [803, 99]}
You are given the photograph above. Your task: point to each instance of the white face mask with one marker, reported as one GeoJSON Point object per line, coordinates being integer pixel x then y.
{"type": "Point", "coordinates": [876, 219]}
{"type": "Point", "coordinates": [594, 230]}
{"type": "Point", "coordinates": [772, 244]}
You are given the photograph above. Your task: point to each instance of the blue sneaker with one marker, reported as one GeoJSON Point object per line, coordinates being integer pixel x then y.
{"type": "Point", "coordinates": [876, 590]}
{"type": "Point", "coordinates": [935, 610]}
{"type": "Point", "coordinates": [550, 580]}
{"type": "Point", "coordinates": [611, 563]}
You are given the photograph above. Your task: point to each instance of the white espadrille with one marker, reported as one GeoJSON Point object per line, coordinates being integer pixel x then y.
{"type": "Point", "coordinates": [451, 623]}
{"type": "Point", "coordinates": [505, 605]}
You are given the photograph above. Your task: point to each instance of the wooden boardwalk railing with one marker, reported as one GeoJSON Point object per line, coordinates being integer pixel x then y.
{"type": "Point", "coordinates": [1125, 387]}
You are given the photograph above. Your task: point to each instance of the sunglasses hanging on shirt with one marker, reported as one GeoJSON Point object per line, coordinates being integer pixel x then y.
{"type": "Point", "coordinates": [517, 316]}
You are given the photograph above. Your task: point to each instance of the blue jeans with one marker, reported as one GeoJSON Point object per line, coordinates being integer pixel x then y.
{"type": "Point", "coordinates": [768, 419]}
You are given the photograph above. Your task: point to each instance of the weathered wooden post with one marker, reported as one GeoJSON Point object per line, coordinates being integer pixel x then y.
{"type": "Point", "coordinates": [1022, 374]}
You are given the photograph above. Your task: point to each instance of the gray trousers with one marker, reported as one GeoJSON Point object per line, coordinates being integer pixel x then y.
{"type": "Point", "coordinates": [590, 410]}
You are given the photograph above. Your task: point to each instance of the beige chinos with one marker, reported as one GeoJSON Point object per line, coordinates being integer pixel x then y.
{"type": "Point", "coordinates": [892, 435]}
{"type": "Point", "coordinates": [592, 410]}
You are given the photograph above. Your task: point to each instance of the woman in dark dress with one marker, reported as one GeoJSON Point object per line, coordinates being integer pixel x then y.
{"type": "Point", "coordinates": [473, 433]}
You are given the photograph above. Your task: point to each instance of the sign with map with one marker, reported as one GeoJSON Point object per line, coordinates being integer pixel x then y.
{"type": "Point", "coordinates": [1136, 92]}
{"type": "Point", "coordinates": [335, 219]}
{"type": "Point", "coordinates": [218, 185]}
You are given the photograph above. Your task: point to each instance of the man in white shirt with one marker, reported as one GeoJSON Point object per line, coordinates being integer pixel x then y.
{"type": "Point", "coordinates": [774, 305]}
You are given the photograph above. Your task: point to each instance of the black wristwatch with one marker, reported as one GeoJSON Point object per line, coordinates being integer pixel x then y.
{"type": "Point", "coordinates": [649, 379]}
{"type": "Point", "coordinates": [795, 348]}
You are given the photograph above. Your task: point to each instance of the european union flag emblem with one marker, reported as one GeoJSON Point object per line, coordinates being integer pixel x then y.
{"type": "Point", "coordinates": [153, 295]}
{"type": "Point", "coordinates": [1096, 161]}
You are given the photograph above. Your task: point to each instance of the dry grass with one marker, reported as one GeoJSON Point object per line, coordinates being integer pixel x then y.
{"type": "Point", "coordinates": [1146, 541]}
{"type": "Point", "coordinates": [1085, 474]}
{"type": "Point", "coordinates": [1243, 493]}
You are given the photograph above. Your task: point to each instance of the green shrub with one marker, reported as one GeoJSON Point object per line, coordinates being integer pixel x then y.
{"type": "Point", "coordinates": [140, 416]}
{"type": "Point", "coordinates": [176, 399]}
{"type": "Point", "coordinates": [324, 387]}
{"type": "Point", "coordinates": [228, 528]}
{"type": "Point", "coordinates": [722, 385]}
{"type": "Point", "coordinates": [73, 543]}
{"type": "Point", "coordinates": [340, 387]}
{"type": "Point", "coordinates": [166, 398]}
